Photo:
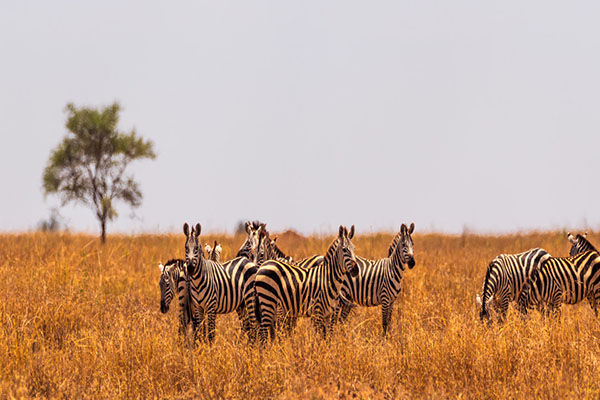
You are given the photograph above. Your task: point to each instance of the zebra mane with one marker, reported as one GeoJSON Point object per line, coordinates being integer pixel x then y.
{"type": "Point", "coordinates": [331, 251]}
{"type": "Point", "coordinates": [588, 245]}
{"type": "Point", "coordinates": [278, 252]}
{"type": "Point", "coordinates": [394, 243]}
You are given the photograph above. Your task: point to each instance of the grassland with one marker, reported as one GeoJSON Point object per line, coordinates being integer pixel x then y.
{"type": "Point", "coordinates": [81, 320]}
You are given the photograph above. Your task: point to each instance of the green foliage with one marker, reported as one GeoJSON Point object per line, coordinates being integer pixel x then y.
{"type": "Point", "coordinates": [89, 165]}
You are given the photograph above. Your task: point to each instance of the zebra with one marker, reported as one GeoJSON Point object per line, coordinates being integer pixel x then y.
{"type": "Point", "coordinates": [312, 292]}
{"type": "Point", "coordinates": [173, 278]}
{"type": "Point", "coordinates": [267, 249]}
{"type": "Point", "coordinates": [213, 252]}
{"type": "Point", "coordinates": [579, 244]}
{"type": "Point", "coordinates": [253, 230]}
{"type": "Point", "coordinates": [218, 288]}
{"type": "Point", "coordinates": [504, 279]}
{"type": "Point", "coordinates": [566, 280]}
{"type": "Point", "coordinates": [379, 281]}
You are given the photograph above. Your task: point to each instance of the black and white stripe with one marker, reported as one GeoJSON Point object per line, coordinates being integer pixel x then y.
{"type": "Point", "coordinates": [173, 280]}
{"type": "Point", "coordinates": [298, 291]}
{"type": "Point", "coordinates": [249, 246]}
{"type": "Point", "coordinates": [504, 280]}
{"type": "Point", "coordinates": [379, 281]}
{"type": "Point", "coordinates": [218, 288]}
{"type": "Point", "coordinates": [567, 280]}
{"type": "Point", "coordinates": [579, 244]}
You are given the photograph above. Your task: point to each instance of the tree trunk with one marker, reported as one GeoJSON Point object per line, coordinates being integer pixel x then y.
{"type": "Point", "coordinates": [103, 230]}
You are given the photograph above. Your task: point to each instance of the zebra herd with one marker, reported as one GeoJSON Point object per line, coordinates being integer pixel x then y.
{"type": "Point", "coordinates": [535, 279]}
{"type": "Point", "coordinates": [268, 289]}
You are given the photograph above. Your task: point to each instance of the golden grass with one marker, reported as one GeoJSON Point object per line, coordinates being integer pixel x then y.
{"type": "Point", "coordinates": [81, 320]}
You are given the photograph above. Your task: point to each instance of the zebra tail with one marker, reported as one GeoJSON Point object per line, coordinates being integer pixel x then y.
{"type": "Point", "coordinates": [485, 294]}
{"type": "Point", "coordinates": [257, 309]}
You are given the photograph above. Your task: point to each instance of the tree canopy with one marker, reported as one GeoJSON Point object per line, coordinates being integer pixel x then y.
{"type": "Point", "coordinates": [89, 165]}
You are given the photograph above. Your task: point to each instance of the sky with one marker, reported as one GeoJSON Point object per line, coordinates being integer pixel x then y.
{"type": "Point", "coordinates": [462, 115]}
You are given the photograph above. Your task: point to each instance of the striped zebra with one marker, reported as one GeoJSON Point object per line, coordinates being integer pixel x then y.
{"type": "Point", "coordinates": [504, 279]}
{"type": "Point", "coordinates": [378, 281]}
{"type": "Point", "coordinates": [213, 252]}
{"type": "Point", "coordinates": [567, 280]}
{"type": "Point", "coordinates": [253, 230]}
{"type": "Point", "coordinates": [173, 279]}
{"type": "Point", "coordinates": [298, 291]}
{"type": "Point", "coordinates": [218, 288]}
{"type": "Point", "coordinates": [579, 244]}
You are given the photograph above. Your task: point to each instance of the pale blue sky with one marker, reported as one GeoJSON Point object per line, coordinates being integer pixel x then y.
{"type": "Point", "coordinates": [312, 114]}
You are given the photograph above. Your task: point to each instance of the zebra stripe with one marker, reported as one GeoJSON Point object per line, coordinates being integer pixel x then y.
{"type": "Point", "coordinates": [579, 244]}
{"type": "Point", "coordinates": [504, 279]}
{"type": "Point", "coordinates": [248, 248]}
{"type": "Point", "coordinates": [379, 281]}
{"type": "Point", "coordinates": [310, 292]}
{"type": "Point", "coordinates": [563, 280]}
{"type": "Point", "coordinates": [173, 278]}
{"type": "Point", "coordinates": [218, 289]}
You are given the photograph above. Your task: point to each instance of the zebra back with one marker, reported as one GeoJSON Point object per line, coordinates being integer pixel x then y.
{"type": "Point", "coordinates": [563, 280]}
{"type": "Point", "coordinates": [506, 276]}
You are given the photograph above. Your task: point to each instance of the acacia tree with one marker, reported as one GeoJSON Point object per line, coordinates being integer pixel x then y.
{"type": "Point", "coordinates": [89, 165]}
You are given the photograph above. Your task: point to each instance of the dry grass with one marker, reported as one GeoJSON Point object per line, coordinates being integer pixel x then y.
{"type": "Point", "coordinates": [79, 320]}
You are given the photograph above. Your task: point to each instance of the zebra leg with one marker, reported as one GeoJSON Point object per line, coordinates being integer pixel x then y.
{"type": "Point", "coordinates": [346, 307]}
{"type": "Point", "coordinates": [267, 321]}
{"type": "Point", "coordinates": [386, 317]}
{"type": "Point", "coordinates": [319, 324]}
{"type": "Point", "coordinates": [211, 317]}
{"type": "Point", "coordinates": [198, 324]}
{"type": "Point", "coordinates": [593, 300]}
{"type": "Point", "coordinates": [502, 309]}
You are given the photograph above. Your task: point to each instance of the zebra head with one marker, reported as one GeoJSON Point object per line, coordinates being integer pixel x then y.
{"type": "Point", "coordinates": [346, 251]}
{"type": "Point", "coordinates": [249, 246]}
{"type": "Point", "coordinates": [264, 250]}
{"type": "Point", "coordinates": [579, 244]}
{"type": "Point", "coordinates": [193, 251]}
{"type": "Point", "coordinates": [406, 241]}
{"type": "Point", "coordinates": [167, 287]}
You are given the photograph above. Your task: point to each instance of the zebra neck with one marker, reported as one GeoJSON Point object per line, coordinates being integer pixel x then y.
{"type": "Point", "coordinates": [200, 272]}
{"type": "Point", "coordinates": [332, 271]}
{"type": "Point", "coordinates": [396, 260]}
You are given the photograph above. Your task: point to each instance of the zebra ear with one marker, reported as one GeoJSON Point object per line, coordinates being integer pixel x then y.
{"type": "Point", "coordinates": [341, 231]}
{"type": "Point", "coordinates": [585, 234]}
{"type": "Point", "coordinates": [248, 227]}
{"type": "Point", "coordinates": [186, 229]}
{"type": "Point", "coordinates": [198, 228]}
{"type": "Point", "coordinates": [161, 267]}
{"type": "Point", "coordinates": [570, 237]}
{"type": "Point", "coordinates": [403, 228]}
{"type": "Point", "coordinates": [351, 233]}
{"type": "Point", "coordinates": [412, 228]}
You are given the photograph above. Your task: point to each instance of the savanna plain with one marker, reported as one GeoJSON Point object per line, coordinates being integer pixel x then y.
{"type": "Point", "coordinates": [82, 320]}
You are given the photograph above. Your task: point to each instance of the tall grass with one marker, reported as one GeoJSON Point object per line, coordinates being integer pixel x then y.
{"type": "Point", "coordinates": [81, 320]}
